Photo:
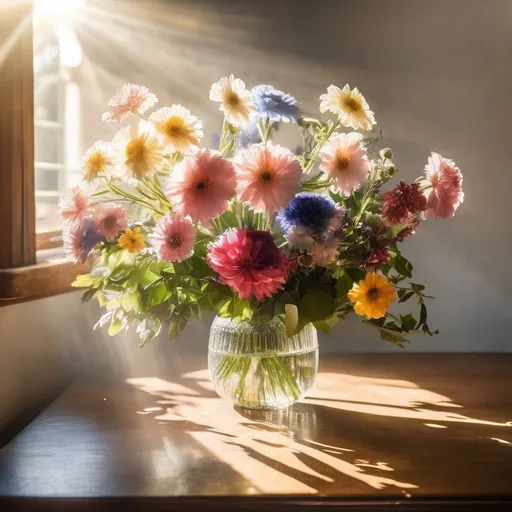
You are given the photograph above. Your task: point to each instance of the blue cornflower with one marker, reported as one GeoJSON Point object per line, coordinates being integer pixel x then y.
{"type": "Point", "coordinates": [249, 135]}
{"type": "Point", "coordinates": [80, 239]}
{"type": "Point", "coordinates": [308, 210]}
{"type": "Point", "coordinates": [275, 105]}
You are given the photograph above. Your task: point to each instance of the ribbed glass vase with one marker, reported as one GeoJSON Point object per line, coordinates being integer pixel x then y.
{"type": "Point", "coordinates": [255, 365]}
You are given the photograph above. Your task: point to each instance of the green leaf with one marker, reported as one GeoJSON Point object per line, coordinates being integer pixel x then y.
{"type": "Point", "coordinates": [423, 315]}
{"type": "Point", "coordinates": [102, 300]}
{"type": "Point", "coordinates": [178, 321]}
{"type": "Point", "coordinates": [327, 324]}
{"type": "Point", "coordinates": [344, 284]}
{"type": "Point", "coordinates": [154, 295]}
{"type": "Point", "coordinates": [88, 295]}
{"type": "Point", "coordinates": [317, 304]}
{"type": "Point", "coordinates": [227, 220]}
{"type": "Point", "coordinates": [144, 277]}
{"type": "Point", "coordinates": [120, 273]}
{"type": "Point", "coordinates": [115, 326]}
{"type": "Point", "coordinates": [393, 337]}
{"type": "Point", "coordinates": [237, 309]}
{"type": "Point", "coordinates": [86, 280]}
{"type": "Point", "coordinates": [402, 266]}
{"type": "Point", "coordinates": [130, 301]}
{"type": "Point", "coordinates": [356, 274]}
{"type": "Point", "coordinates": [404, 295]}
{"type": "Point", "coordinates": [408, 322]}
{"type": "Point", "coordinates": [291, 319]}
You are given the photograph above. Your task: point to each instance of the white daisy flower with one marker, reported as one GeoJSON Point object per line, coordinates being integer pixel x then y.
{"type": "Point", "coordinates": [236, 101]}
{"type": "Point", "coordinates": [138, 151]}
{"type": "Point", "coordinates": [349, 105]}
{"type": "Point", "coordinates": [177, 128]}
{"type": "Point", "coordinates": [97, 162]}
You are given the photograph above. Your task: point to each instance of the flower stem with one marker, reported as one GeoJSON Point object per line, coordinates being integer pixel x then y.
{"type": "Point", "coordinates": [133, 198]}
{"type": "Point", "coordinates": [264, 129]}
{"type": "Point", "coordinates": [319, 145]}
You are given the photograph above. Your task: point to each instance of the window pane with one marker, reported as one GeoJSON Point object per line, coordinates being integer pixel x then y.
{"type": "Point", "coordinates": [56, 113]}
{"type": "Point", "coordinates": [48, 145]}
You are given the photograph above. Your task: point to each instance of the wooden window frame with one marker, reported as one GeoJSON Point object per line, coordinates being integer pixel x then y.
{"type": "Point", "coordinates": [22, 277]}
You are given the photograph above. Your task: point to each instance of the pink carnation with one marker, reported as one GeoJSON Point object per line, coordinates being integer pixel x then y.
{"type": "Point", "coordinates": [74, 205]}
{"type": "Point", "coordinates": [131, 99]}
{"type": "Point", "coordinates": [201, 185]}
{"type": "Point", "coordinates": [401, 204]}
{"type": "Point", "coordinates": [110, 219]}
{"type": "Point", "coordinates": [173, 238]}
{"type": "Point", "coordinates": [444, 187]}
{"type": "Point", "coordinates": [249, 262]}
{"type": "Point", "coordinates": [323, 254]}
{"type": "Point", "coordinates": [268, 176]}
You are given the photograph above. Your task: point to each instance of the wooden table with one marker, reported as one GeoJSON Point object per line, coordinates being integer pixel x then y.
{"type": "Point", "coordinates": [393, 432]}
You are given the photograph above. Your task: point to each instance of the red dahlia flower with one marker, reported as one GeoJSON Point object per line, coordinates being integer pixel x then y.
{"type": "Point", "coordinates": [249, 262]}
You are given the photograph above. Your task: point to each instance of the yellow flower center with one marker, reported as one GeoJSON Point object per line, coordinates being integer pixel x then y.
{"type": "Point", "coordinates": [352, 104]}
{"type": "Point", "coordinates": [96, 163]}
{"type": "Point", "coordinates": [232, 99]}
{"type": "Point", "coordinates": [139, 157]}
{"type": "Point", "coordinates": [341, 162]}
{"type": "Point", "coordinates": [174, 127]}
{"type": "Point", "coordinates": [136, 151]}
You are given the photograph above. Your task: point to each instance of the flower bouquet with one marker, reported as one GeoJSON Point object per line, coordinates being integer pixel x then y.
{"type": "Point", "coordinates": [278, 243]}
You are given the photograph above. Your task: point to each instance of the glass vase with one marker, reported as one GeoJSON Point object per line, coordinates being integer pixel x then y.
{"type": "Point", "coordinates": [255, 365]}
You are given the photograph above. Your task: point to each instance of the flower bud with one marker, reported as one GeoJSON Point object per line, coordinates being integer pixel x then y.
{"type": "Point", "coordinates": [391, 170]}
{"type": "Point", "coordinates": [386, 154]}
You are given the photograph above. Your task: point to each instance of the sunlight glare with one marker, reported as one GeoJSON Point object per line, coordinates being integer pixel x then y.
{"type": "Point", "coordinates": [60, 7]}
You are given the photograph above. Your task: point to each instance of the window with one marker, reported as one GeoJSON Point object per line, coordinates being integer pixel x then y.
{"type": "Point", "coordinates": [57, 55]}
{"type": "Point", "coordinates": [38, 146]}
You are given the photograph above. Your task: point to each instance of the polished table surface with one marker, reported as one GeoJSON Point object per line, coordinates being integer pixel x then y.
{"type": "Point", "coordinates": [421, 432]}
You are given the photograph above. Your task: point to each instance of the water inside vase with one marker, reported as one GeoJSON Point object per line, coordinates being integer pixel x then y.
{"type": "Point", "coordinates": [258, 366]}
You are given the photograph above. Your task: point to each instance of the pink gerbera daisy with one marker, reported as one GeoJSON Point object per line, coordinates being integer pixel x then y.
{"type": "Point", "coordinates": [110, 219]}
{"type": "Point", "coordinates": [131, 99]}
{"type": "Point", "coordinates": [268, 176]}
{"type": "Point", "coordinates": [173, 238]}
{"type": "Point", "coordinates": [345, 161]}
{"type": "Point", "coordinates": [249, 262]}
{"type": "Point", "coordinates": [443, 187]}
{"type": "Point", "coordinates": [201, 185]}
{"type": "Point", "coordinates": [74, 205]}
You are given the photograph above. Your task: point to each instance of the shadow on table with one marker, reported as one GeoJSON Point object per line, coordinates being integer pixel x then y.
{"type": "Point", "coordinates": [387, 426]}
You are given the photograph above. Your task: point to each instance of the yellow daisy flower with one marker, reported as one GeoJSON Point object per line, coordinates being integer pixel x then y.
{"type": "Point", "coordinates": [178, 129]}
{"type": "Point", "coordinates": [138, 150]}
{"type": "Point", "coordinates": [237, 101]}
{"type": "Point", "coordinates": [97, 161]}
{"type": "Point", "coordinates": [132, 240]}
{"type": "Point", "coordinates": [350, 107]}
{"type": "Point", "coordinates": [372, 295]}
